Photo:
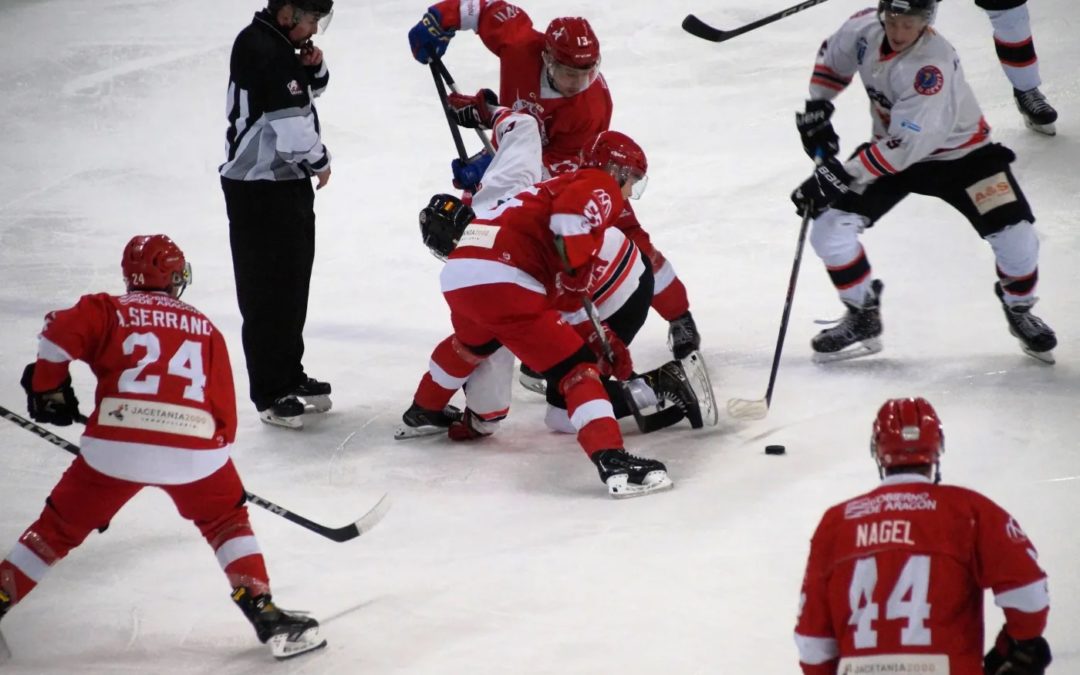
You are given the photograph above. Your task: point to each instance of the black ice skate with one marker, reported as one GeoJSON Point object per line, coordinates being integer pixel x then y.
{"type": "Point", "coordinates": [628, 476]}
{"type": "Point", "coordinates": [532, 380]}
{"type": "Point", "coordinates": [1038, 114]}
{"type": "Point", "coordinates": [1036, 338]}
{"type": "Point", "coordinates": [857, 333]}
{"type": "Point", "coordinates": [287, 633]}
{"type": "Point", "coordinates": [314, 394]}
{"type": "Point", "coordinates": [417, 421]}
{"type": "Point", "coordinates": [285, 412]}
{"type": "Point", "coordinates": [683, 336]}
{"type": "Point", "coordinates": [673, 392]}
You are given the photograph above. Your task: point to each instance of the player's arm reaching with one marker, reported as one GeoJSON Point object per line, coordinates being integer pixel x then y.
{"type": "Point", "coordinates": [819, 651]}
{"type": "Point", "coordinates": [498, 23]}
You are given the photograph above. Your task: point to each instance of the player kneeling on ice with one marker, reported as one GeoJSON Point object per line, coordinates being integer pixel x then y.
{"type": "Point", "coordinates": [164, 415]}
{"type": "Point", "coordinates": [895, 578]}
{"type": "Point", "coordinates": [929, 138]}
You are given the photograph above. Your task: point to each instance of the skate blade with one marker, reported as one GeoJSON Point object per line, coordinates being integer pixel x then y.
{"type": "Point", "coordinates": [405, 432]}
{"type": "Point", "coordinates": [1042, 357]}
{"type": "Point", "coordinates": [745, 409]}
{"type": "Point", "coordinates": [317, 404]}
{"type": "Point", "coordinates": [1044, 129]}
{"type": "Point", "coordinates": [535, 385]}
{"type": "Point", "coordinates": [864, 348]}
{"type": "Point", "coordinates": [285, 422]}
{"type": "Point", "coordinates": [619, 486]}
{"type": "Point", "coordinates": [283, 648]}
{"type": "Point", "coordinates": [697, 374]}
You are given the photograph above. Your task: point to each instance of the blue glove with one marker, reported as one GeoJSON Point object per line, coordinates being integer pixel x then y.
{"type": "Point", "coordinates": [829, 183]}
{"type": "Point", "coordinates": [428, 37]}
{"type": "Point", "coordinates": [467, 174]}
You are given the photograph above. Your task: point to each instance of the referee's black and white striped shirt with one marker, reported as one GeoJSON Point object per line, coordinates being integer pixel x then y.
{"type": "Point", "coordinates": [273, 126]}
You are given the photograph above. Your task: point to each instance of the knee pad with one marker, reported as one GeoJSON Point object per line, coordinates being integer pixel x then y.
{"type": "Point", "coordinates": [1016, 249]}
{"type": "Point", "coordinates": [835, 236]}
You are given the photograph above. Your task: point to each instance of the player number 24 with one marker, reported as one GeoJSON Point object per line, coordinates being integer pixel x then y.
{"type": "Point", "coordinates": [187, 363]}
{"type": "Point", "coordinates": [908, 600]}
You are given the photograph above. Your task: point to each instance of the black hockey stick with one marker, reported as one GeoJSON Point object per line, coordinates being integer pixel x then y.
{"type": "Point", "coordinates": [339, 534]}
{"type": "Point", "coordinates": [453, 87]}
{"type": "Point", "coordinates": [463, 155]}
{"type": "Point", "coordinates": [758, 408]}
{"type": "Point", "coordinates": [695, 26]}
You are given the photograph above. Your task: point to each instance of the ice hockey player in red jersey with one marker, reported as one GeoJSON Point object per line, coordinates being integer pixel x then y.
{"type": "Point", "coordinates": [929, 138]}
{"type": "Point", "coordinates": [895, 578]}
{"type": "Point", "coordinates": [164, 415]}
{"type": "Point", "coordinates": [556, 75]}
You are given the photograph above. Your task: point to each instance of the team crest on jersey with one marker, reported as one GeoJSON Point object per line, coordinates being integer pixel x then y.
{"type": "Point", "coordinates": [294, 88]}
{"type": "Point", "coordinates": [1014, 531]}
{"type": "Point", "coordinates": [598, 210]}
{"type": "Point", "coordinates": [929, 80]}
{"type": "Point", "coordinates": [860, 50]}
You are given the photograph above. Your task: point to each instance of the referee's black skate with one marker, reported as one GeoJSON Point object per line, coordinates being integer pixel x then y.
{"type": "Point", "coordinates": [1036, 338]}
{"type": "Point", "coordinates": [314, 394]}
{"type": "Point", "coordinates": [287, 633]}
{"type": "Point", "coordinates": [858, 332]}
{"type": "Point", "coordinates": [1037, 112]}
{"type": "Point", "coordinates": [417, 421]}
{"type": "Point", "coordinates": [628, 476]}
{"type": "Point", "coordinates": [286, 412]}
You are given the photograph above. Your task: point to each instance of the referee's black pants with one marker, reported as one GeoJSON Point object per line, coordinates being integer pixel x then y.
{"type": "Point", "coordinates": [272, 234]}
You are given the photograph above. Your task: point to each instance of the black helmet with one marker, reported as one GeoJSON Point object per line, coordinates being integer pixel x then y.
{"type": "Point", "coordinates": [924, 8]}
{"type": "Point", "coordinates": [320, 7]}
{"type": "Point", "coordinates": [441, 223]}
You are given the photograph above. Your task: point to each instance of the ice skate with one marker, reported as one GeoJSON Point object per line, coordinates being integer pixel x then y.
{"type": "Point", "coordinates": [683, 336]}
{"type": "Point", "coordinates": [674, 390]}
{"type": "Point", "coordinates": [857, 334]}
{"type": "Point", "coordinates": [1036, 338]}
{"type": "Point", "coordinates": [1038, 114]}
{"type": "Point", "coordinates": [286, 412]}
{"type": "Point", "coordinates": [287, 633]}
{"type": "Point", "coordinates": [628, 476]}
{"type": "Point", "coordinates": [532, 380]}
{"type": "Point", "coordinates": [417, 421]}
{"type": "Point", "coordinates": [315, 395]}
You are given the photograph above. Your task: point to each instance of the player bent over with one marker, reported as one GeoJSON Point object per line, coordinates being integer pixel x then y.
{"type": "Point", "coordinates": [929, 138]}
{"type": "Point", "coordinates": [164, 415]}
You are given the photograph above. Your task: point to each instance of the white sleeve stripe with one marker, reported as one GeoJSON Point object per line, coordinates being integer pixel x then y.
{"type": "Point", "coordinates": [28, 562]}
{"type": "Point", "coordinates": [591, 411]}
{"type": "Point", "coordinates": [816, 650]}
{"type": "Point", "coordinates": [470, 14]}
{"type": "Point", "coordinates": [663, 277]}
{"type": "Point", "coordinates": [1031, 598]}
{"type": "Point", "coordinates": [568, 225]}
{"type": "Point", "coordinates": [53, 353]}
{"type": "Point", "coordinates": [236, 548]}
{"type": "Point", "coordinates": [443, 378]}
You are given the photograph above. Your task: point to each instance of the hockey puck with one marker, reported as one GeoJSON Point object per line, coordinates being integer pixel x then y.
{"type": "Point", "coordinates": [775, 450]}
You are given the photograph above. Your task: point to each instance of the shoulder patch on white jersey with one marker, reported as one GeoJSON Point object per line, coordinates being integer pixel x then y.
{"type": "Point", "coordinates": [929, 80]}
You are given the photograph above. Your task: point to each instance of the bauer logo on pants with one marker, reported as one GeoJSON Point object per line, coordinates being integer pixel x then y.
{"type": "Point", "coordinates": [154, 416]}
{"type": "Point", "coordinates": [991, 193]}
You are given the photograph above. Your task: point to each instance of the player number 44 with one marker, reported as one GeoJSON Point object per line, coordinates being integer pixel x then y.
{"type": "Point", "coordinates": [908, 600]}
{"type": "Point", "coordinates": [186, 362]}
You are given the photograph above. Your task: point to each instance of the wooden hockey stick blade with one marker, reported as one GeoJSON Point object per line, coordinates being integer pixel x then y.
{"type": "Point", "coordinates": [698, 28]}
{"type": "Point", "coordinates": [745, 409]}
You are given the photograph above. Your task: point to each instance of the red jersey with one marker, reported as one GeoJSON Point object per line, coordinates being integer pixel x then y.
{"type": "Point", "coordinates": [895, 580]}
{"type": "Point", "coordinates": [165, 406]}
{"type": "Point", "coordinates": [515, 241]}
{"type": "Point", "coordinates": [569, 121]}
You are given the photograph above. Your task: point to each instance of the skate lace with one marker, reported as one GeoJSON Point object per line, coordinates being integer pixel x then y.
{"type": "Point", "coordinates": [1034, 101]}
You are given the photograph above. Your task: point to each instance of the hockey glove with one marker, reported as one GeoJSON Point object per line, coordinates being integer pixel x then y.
{"type": "Point", "coordinates": [620, 365]}
{"type": "Point", "coordinates": [572, 286]}
{"type": "Point", "coordinates": [467, 174]}
{"type": "Point", "coordinates": [829, 183]}
{"type": "Point", "coordinates": [56, 406]}
{"type": "Point", "coordinates": [474, 111]}
{"type": "Point", "coordinates": [470, 427]}
{"type": "Point", "coordinates": [429, 37]}
{"type": "Point", "coordinates": [1017, 657]}
{"type": "Point", "coordinates": [683, 336]}
{"type": "Point", "coordinates": [819, 139]}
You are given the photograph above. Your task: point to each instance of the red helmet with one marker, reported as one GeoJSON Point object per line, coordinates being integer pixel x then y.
{"type": "Point", "coordinates": [570, 40]}
{"type": "Point", "coordinates": [612, 147]}
{"type": "Point", "coordinates": [907, 432]}
{"type": "Point", "coordinates": [153, 262]}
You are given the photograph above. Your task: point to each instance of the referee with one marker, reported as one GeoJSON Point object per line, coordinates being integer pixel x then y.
{"type": "Point", "coordinates": [274, 149]}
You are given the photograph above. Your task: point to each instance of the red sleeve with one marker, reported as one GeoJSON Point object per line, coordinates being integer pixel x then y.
{"type": "Point", "coordinates": [69, 335]}
{"type": "Point", "coordinates": [222, 391]}
{"type": "Point", "coordinates": [670, 299]}
{"type": "Point", "coordinates": [1007, 564]}
{"type": "Point", "coordinates": [631, 227]}
{"type": "Point", "coordinates": [498, 23]}
{"type": "Point", "coordinates": [581, 211]}
{"type": "Point", "coordinates": [814, 636]}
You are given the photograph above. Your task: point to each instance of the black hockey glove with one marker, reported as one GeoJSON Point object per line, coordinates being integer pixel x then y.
{"type": "Point", "coordinates": [683, 336]}
{"type": "Point", "coordinates": [819, 139]}
{"type": "Point", "coordinates": [829, 183]}
{"type": "Point", "coordinates": [1017, 657]}
{"type": "Point", "coordinates": [57, 406]}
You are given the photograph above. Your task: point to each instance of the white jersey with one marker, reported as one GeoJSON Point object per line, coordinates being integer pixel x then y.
{"type": "Point", "coordinates": [922, 107]}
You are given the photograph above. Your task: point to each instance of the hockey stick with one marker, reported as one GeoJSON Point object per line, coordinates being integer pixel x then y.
{"type": "Point", "coordinates": [758, 408]}
{"type": "Point", "coordinates": [441, 88]}
{"type": "Point", "coordinates": [339, 534]}
{"type": "Point", "coordinates": [450, 83]}
{"type": "Point", "coordinates": [695, 26]}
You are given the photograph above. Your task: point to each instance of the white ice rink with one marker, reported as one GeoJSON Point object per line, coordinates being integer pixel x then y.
{"type": "Point", "coordinates": [507, 556]}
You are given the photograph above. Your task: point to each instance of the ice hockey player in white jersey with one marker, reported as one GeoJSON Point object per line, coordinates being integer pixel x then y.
{"type": "Point", "coordinates": [929, 138]}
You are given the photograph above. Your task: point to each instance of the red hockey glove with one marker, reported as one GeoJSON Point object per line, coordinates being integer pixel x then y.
{"type": "Point", "coordinates": [571, 287]}
{"type": "Point", "coordinates": [620, 365]}
{"type": "Point", "coordinates": [469, 427]}
{"type": "Point", "coordinates": [473, 111]}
